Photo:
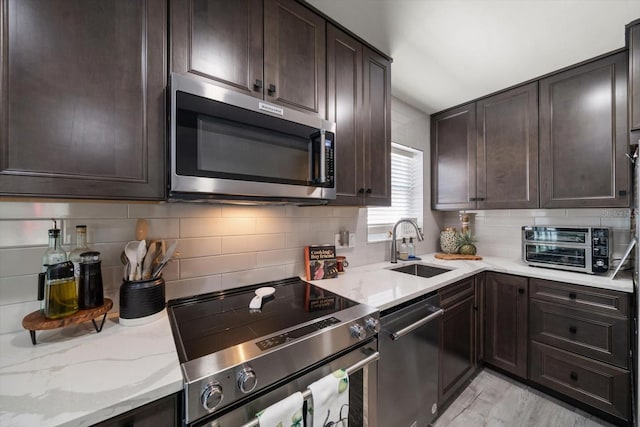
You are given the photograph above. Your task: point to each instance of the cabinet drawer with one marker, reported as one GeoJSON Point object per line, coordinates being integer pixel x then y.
{"type": "Point", "coordinates": [597, 384]}
{"type": "Point", "coordinates": [585, 297]}
{"type": "Point", "coordinates": [456, 292]}
{"type": "Point", "coordinates": [588, 333]}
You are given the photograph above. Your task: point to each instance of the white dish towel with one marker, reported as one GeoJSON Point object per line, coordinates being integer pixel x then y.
{"type": "Point", "coordinates": [329, 405]}
{"type": "Point", "coordinates": [285, 413]}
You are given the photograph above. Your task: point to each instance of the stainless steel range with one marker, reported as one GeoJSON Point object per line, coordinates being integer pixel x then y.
{"type": "Point", "coordinates": [237, 361]}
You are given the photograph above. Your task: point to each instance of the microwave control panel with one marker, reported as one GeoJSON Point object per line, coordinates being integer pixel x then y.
{"type": "Point", "coordinates": [600, 250]}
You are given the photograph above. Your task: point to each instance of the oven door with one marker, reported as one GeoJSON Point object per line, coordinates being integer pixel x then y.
{"type": "Point", "coordinates": [564, 256]}
{"type": "Point", "coordinates": [361, 365]}
{"type": "Point", "coordinates": [228, 144]}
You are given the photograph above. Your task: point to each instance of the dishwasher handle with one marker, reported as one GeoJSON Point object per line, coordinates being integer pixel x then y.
{"type": "Point", "coordinates": [404, 331]}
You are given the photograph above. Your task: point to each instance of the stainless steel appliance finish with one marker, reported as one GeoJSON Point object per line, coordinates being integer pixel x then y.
{"type": "Point", "coordinates": [583, 249]}
{"type": "Point", "coordinates": [228, 146]}
{"type": "Point", "coordinates": [231, 355]}
{"type": "Point", "coordinates": [408, 366]}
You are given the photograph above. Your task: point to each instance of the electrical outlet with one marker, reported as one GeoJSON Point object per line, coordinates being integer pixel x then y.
{"type": "Point", "coordinates": [352, 240]}
{"type": "Point", "coordinates": [337, 240]}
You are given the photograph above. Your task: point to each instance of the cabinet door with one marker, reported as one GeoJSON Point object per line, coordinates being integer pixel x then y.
{"type": "Point", "coordinates": [453, 159]}
{"type": "Point", "coordinates": [82, 98]}
{"type": "Point", "coordinates": [219, 40]}
{"type": "Point", "coordinates": [294, 56]}
{"type": "Point", "coordinates": [344, 78]}
{"type": "Point", "coordinates": [163, 412]}
{"type": "Point", "coordinates": [457, 361]}
{"type": "Point", "coordinates": [583, 136]}
{"type": "Point", "coordinates": [507, 157]}
{"type": "Point", "coordinates": [633, 42]}
{"type": "Point", "coordinates": [377, 129]}
{"type": "Point", "coordinates": [505, 345]}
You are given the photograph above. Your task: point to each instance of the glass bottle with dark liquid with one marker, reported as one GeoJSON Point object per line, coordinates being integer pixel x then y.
{"type": "Point", "coordinates": [60, 294]}
{"type": "Point", "coordinates": [90, 291]}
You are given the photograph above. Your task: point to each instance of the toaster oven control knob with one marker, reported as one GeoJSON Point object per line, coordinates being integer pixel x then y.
{"type": "Point", "coordinates": [211, 396]}
{"type": "Point", "coordinates": [247, 380]}
{"type": "Point", "coordinates": [372, 324]}
{"type": "Point", "coordinates": [358, 331]}
{"type": "Point", "coordinates": [600, 263]}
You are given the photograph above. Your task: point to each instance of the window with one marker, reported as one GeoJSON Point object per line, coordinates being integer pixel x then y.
{"type": "Point", "coordinates": [406, 194]}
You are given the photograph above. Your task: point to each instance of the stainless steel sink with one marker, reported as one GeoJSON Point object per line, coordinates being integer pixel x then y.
{"type": "Point", "coordinates": [421, 270]}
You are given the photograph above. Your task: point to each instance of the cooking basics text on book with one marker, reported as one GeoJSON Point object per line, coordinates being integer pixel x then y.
{"type": "Point", "coordinates": [320, 262]}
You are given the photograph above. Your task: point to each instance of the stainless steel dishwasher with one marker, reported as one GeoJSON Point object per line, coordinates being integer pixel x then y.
{"type": "Point", "coordinates": [408, 365]}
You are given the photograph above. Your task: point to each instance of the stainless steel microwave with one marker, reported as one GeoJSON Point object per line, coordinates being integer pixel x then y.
{"type": "Point", "coordinates": [228, 146]}
{"type": "Point", "coordinates": [583, 249]}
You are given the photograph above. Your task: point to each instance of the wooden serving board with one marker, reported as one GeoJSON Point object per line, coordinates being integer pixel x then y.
{"type": "Point", "coordinates": [37, 322]}
{"type": "Point", "coordinates": [458, 256]}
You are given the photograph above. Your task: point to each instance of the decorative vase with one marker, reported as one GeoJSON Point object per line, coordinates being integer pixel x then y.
{"type": "Point", "coordinates": [448, 240]}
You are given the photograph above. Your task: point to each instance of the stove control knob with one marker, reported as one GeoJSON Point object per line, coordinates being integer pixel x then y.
{"type": "Point", "coordinates": [247, 380]}
{"type": "Point", "coordinates": [372, 324]}
{"type": "Point", "coordinates": [211, 396]}
{"type": "Point", "coordinates": [358, 331]}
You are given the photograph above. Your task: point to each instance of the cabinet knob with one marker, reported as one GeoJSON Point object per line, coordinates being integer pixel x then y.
{"type": "Point", "coordinates": [521, 291]}
{"type": "Point", "coordinates": [272, 89]}
{"type": "Point", "coordinates": [361, 191]}
{"type": "Point", "coordinates": [573, 329]}
{"type": "Point", "coordinates": [573, 375]}
{"type": "Point", "coordinates": [368, 191]}
{"type": "Point", "coordinates": [572, 295]}
{"type": "Point", "coordinates": [257, 86]}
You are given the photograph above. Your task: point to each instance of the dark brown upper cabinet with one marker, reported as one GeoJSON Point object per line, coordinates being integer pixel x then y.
{"type": "Point", "coordinates": [633, 44]}
{"type": "Point", "coordinates": [82, 98]}
{"type": "Point", "coordinates": [507, 153]}
{"type": "Point", "coordinates": [485, 154]}
{"type": "Point", "coordinates": [583, 136]}
{"type": "Point", "coordinates": [271, 49]}
{"type": "Point", "coordinates": [506, 322]}
{"type": "Point", "coordinates": [359, 101]}
{"type": "Point", "coordinates": [453, 158]}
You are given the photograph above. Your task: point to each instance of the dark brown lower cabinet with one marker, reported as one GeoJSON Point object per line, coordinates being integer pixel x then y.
{"type": "Point", "coordinates": [505, 317]}
{"type": "Point", "coordinates": [457, 356]}
{"type": "Point", "coordinates": [164, 412]}
{"type": "Point", "coordinates": [598, 384]}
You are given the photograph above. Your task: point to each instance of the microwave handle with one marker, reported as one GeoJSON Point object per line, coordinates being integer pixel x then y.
{"type": "Point", "coordinates": [318, 148]}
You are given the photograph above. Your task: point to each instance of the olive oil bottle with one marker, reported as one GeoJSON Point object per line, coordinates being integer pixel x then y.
{"type": "Point", "coordinates": [61, 295]}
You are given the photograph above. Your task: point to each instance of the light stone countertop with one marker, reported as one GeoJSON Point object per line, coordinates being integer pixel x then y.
{"type": "Point", "coordinates": [376, 285]}
{"type": "Point", "coordinates": [77, 377]}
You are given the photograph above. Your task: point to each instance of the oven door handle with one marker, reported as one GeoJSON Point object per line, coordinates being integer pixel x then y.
{"type": "Point", "coordinates": [307, 393]}
{"type": "Point", "coordinates": [395, 336]}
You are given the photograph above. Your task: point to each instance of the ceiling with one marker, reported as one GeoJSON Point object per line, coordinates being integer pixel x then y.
{"type": "Point", "coordinates": [446, 52]}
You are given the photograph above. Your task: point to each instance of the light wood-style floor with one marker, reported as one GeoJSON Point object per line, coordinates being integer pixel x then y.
{"type": "Point", "coordinates": [494, 400]}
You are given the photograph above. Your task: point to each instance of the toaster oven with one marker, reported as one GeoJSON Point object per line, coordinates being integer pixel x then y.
{"type": "Point", "coordinates": [583, 249]}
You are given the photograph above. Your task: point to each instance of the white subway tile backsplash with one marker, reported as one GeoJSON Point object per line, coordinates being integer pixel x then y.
{"type": "Point", "coordinates": [190, 287]}
{"type": "Point", "coordinates": [591, 221]}
{"type": "Point", "coordinates": [21, 261]}
{"type": "Point", "coordinates": [207, 266]}
{"type": "Point", "coordinates": [232, 211]}
{"type": "Point", "coordinates": [253, 243]}
{"type": "Point", "coordinates": [209, 227]}
{"type": "Point", "coordinates": [174, 210]}
{"type": "Point", "coordinates": [254, 276]}
{"type": "Point", "coordinates": [24, 233]}
{"type": "Point", "coordinates": [622, 223]}
{"type": "Point", "coordinates": [285, 256]}
{"type": "Point", "coordinates": [17, 289]}
{"type": "Point", "coordinates": [199, 247]}
{"type": "Point", "coordinates": [46, 210]}
{"type": "Point", "coordinates": [101, 230]}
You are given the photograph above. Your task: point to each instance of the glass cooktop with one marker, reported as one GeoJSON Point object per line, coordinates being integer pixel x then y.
{"type": "Point", "coordinates": [208, 323]}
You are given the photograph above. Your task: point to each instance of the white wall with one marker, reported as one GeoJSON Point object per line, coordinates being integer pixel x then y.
{"type": "Point", "coordinates": [221, 246]}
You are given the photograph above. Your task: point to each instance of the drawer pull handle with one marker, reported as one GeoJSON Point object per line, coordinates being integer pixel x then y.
{"type": "Point", "coordinates": [573, 376]}
{"type": "Point", "coordinates": [572, 295]}
{"type": "Point", "coordinates": [573, 329]}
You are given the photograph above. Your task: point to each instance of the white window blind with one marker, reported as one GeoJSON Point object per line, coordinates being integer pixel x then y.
{"type": "Point", "coordinates": [406, 193]}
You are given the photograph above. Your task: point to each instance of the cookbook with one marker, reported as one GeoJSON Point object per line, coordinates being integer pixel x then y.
{"type": "Point", "coordinates": [320, 262]}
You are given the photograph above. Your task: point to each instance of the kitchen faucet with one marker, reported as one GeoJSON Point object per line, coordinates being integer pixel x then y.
{"type": "Point", "coordinates": [394, 250]}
